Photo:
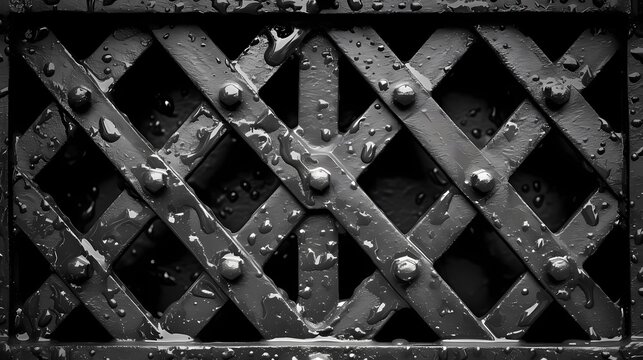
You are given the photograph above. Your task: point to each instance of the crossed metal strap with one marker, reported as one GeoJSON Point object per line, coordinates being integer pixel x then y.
{"type": "Point", "coordinates": [375, 286]}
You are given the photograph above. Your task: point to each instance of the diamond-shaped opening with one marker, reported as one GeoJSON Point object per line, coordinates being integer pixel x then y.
{"type": "Point", "coordinates": [156, 95]}
{"type": "Point", "coordinates": [556, 37]}
{"type": "Point", "coordinates": [404, 39]}
{"type": "Point", "coordinates": [281, 92]}
{"type": "Point", "coordinates": [157, 268]}
{"type": "Point", "coordinates": [355, 94]}
{"type": "Point", "coordinates": [606, 93]}
{"type": "Point", "coordinates": [283, 266]}
{"type": "Point", "coordinates": [233, 181]}
{"type": "Point", "coordinates": [353, 263]}
{"type": "Point", "coordinates": [231, 38]}
{"type": "Point", "coordinates": [554, 180]}
{"type": "Point", "coordinates": [80, 326]}
{"type": "Point", "coordinates": [479, 266]}
{"type": "Point", "coordinates": [405, 325]}
{"type": "Point", "coordinates": [406, 189]}
{"type": "Point", "coordinates": [608, 266]}
{"type": "Point", "coordinates": [31, 269]}
{"type": "Point", "coordinates": [229, 325]}
{"type": "Point", "coordinates": [29, 96]}
{"type": "Point", "coordinates": [479, 94]}
{"type": "Point", "coordinates": [82, 181]}
{"type": "Point", "coordinates": [555, 325]}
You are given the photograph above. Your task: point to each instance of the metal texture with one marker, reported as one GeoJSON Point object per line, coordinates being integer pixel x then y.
{"type": "Point", "coordinates": [319, 196]}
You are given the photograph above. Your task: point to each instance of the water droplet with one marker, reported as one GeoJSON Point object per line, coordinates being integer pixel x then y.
{"type": "Point", "coordinates": [355, 5]}
{"type": "Point", "coordinates": [439, 213]}
{"type": "Point", "coordinates": [164, 105]}
{"type": "Point", "coordinates": [108, 130]}
{"type": "Point", "coordinates": [49, 69]}
{"type": "Point", "coordinates": [590, 214]}
{"type": "Point", "coordinates": [79, 98]}
{"type": "Point", "coordinates": [368, 152]}
{"type": "Point", "coordinates": [265, 226]}
{"type": "Point", "coordinates": [282, 44]}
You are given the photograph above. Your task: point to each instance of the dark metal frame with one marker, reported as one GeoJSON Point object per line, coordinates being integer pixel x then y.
{"type": "Point", "coordinates": [297, 157]}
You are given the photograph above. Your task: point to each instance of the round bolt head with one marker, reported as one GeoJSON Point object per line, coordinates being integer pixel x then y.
{"type": "Point", "coordinates": [79, 98]}
{"type": "Point", "coordinates": [559, 268]}
{"type": "Point", "coordinates": [404, 95]}
{"type": "Point", "coordinates": [482, 181]}
{"type": "Point", "coordinates": [230, 266]}
{"type": "Point", "coordinates": [556, 92]}
{"type": "Point", "coordinates": [79, 269]}
{"type": "Point", "coordinates": [230, 94]}
{"type": "Point", "coordinates": [406, 268]}
{"type": "Point", "coordinates": [155, 180]}
{"type": "Point", "coordinates": [319, 179]}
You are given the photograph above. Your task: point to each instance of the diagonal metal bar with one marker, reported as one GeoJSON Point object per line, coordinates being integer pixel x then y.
{"type": "Point", "coordinates": [76, 261]}
{"type": "Point", "coordinates": [186, 215]}
{"type": "Point", "coordinates": [584, 128]}
{"type": "Point", "coordinates": [261, 129]}
{"type": "Point", "coordinates": [459, 158]}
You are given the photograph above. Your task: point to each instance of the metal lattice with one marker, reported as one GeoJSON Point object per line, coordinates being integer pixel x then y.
{"type": "Point", "coordinates": [318, 168]}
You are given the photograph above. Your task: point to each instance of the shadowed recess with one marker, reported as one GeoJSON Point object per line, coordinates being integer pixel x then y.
{"type": "Point", "coordinates": [156, 95]}
{"type": "Point", "coordinates": [404, 181]}
{"type": "Point", "coordinates": [405, 39]}
{"type": "Point", "coordinates": [555, 38]}
{"type": "Point", "coordinates": [281, 92]}
{"type": "Point", "coordinates": [283, 266]}
{"type": "Point", "coordinates": [353, 264]}
{"type": "Point", "coordinates": [229, 324]}
{"type": "Point", "coordinates": [80, 326]}
{"type": "Point", "coordinates": [479, 266]}
{"type": "Point", "coordinates": [157, 268]}
{"type": "Point", "coordinates": [554, 180]}
{"type": "Point", "coordinates": [229, 36]}
{"type": "Point", "coordinates": [609, 267]}
{"type": "Point", "coordinates": [606, 94]}
{"type": "Point", "coordinates": [555, 325]}
{"type": "Point", "coordinates": [89, 185]}
{"type": "Point", "coordinates": [355, 94]}
{"type": "Point", "coordinates": [233, 181]}
{"type": "Point", "coordinates": [479, 94]}
{"type": "Point", "coordinates": [31, 268]}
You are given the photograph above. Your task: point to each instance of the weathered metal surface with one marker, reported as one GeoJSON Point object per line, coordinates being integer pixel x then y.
{"type": "Point", "coordinates": [319, 200]}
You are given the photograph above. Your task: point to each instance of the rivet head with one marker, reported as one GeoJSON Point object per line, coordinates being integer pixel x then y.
{"type": "Point", "coordinates": [404, 95]}
{"type": "Point", "coordinates": [559, 268]}
{"type": "Point", "coordinates": [319, 179]}
{"type": "Point", "coordinates": [79, 98]}
{"type": "Point", "coordinates": [230, 94]}
{"type": "Point", "coordinates": [482, 181]}
{"type": "Point", "coordinates": [556, 92]}
{"type": "Point", "coordinates": [79, 269]}
{"type": "Point", "coordinates": [230, 266]}
{"type": "Point", "coordinates": [406, 268]}
{"type": "Point", "coordinates": [155, 180]}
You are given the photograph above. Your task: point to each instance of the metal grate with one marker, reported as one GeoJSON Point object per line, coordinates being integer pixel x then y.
{"type": "Point", "coordinates": [443, 195]}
